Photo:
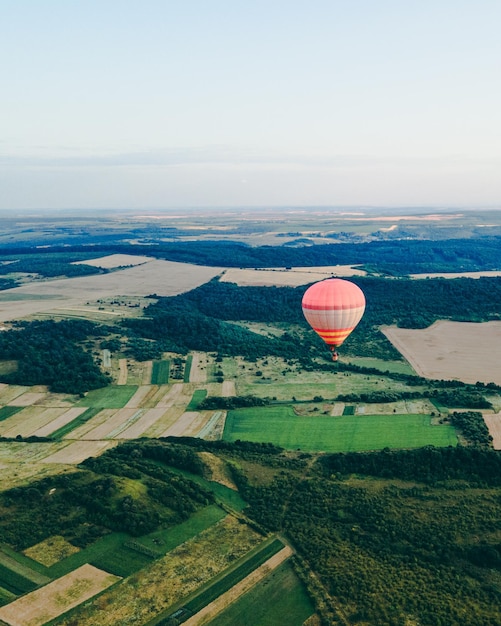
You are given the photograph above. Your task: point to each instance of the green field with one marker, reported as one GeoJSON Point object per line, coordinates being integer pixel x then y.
{"type": "Point", "coordinates": [162, 541]}
{"type": "Point", "coordinates": [281, 426]}
{"type": "Point", "coordinates": [280, 595]}
{"type": "Point", "coordinates": [397, 367]}
{"type": "Point", "coordinates": [227, 496]}
{"type": "Point", "coordinates": [7, 411]}
{"type": "Point", "coordinates": [187, 368]}
{"type": "Point", "coordinates": [306, 385]}
{"type": "Point", "coordinates": [198, 396]}
{"type": "Point", "coordinates": [111, 542]}
{"type": "Point", "coordinates": [7, 367]}
{"type": "Point", "coordinates": [23, 565]}
{"type": "Point", "coordinates": [14, 582]}
{"type": "Point", "coordinates": [6, 596]}
{"type": "Point", "coordinates": [111, 397]}
{"type": "Point", "coordinates": [160, 372]}
{"type": "Point", "coordinates": [122, 561]}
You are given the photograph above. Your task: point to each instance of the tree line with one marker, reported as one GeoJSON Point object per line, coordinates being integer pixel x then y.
{"type": "Point", "coordinates": [398, 257]}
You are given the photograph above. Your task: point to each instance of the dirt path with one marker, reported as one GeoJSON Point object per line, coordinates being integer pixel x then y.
{"type": "Point", "coordinates": [493, 422]}
{"type": "Point", "coordinates": [122, 377]}
{"type": "Point", "coordinates": [214, 608]}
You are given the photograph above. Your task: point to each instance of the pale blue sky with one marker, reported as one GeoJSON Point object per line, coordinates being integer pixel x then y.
{"type": "Point", "coordinates": [176, 103]}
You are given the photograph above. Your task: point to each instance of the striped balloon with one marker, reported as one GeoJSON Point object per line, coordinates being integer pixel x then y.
{"type": "Point", "coordinates": [333, 308]}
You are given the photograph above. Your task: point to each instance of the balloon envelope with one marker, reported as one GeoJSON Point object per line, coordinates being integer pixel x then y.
{"type": "Point", "coordinates": [333, 308]}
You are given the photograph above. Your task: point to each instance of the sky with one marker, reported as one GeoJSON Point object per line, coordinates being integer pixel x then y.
{"type": "Point", "coordinates": [220, 103]}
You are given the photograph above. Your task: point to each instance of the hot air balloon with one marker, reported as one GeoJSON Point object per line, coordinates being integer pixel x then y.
{"type": "Point", "coordinates": [333, 308]}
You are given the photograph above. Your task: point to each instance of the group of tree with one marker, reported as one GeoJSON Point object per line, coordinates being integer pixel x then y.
{"type": "Point", "coordinates": [46, 263]}
{"type": "Point", "coordinates": [51, 353]}
{"type": "Point", "coordinates": [472, 426]}
{"type": "Point", "coordinates": [95, 500]}
{"type": "Point", "coordinates": [394, 534]}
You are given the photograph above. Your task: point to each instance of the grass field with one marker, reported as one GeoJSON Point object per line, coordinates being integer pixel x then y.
{"type": "Point", "coordinates": [198, 396]}
{"type": "Point", "coordinates": [7, 411]}
{"type": "Point", "coordinates": [14, 582]}
{"type": "Point", "coordinates": [397, 367]}
{"type": "Point", "coordinates": [111, 397]}
{"type": "Point", "coordinates": [280, 594]}
{"type": "Point", "coordinates": [229, 497]}
{"type": "Point", "coordinates": [111, 542]}
{"type": "Point", "coordinates": [160, 372]}
{"type": "Point", "coordinates": [122, 561]}
{"type": "Point", "coordinates": [187, 368]}
{"type": "Point", "coordinates": [7, 367]}
{"type": "Point", "coordinates": [162, 541]}
{"type": "Point", "coordinates": [306, 385]}
{"type": "Point", "coordinates": [281, 426]}
{"type": "Point", "coordinates": [6, 596]}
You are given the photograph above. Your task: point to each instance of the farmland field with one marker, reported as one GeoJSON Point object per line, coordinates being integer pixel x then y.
{"type": "Point", "coordinates": [452, 350]}
{"type": "Point", "coordinates": [112, 397]}
{"type": "Point", "coordinates": [168, 580]}
{"type": "Point", "coordinates": [14, 581]}
{"type": "Point", "coordinates": [279, 594]}
{"type": "Point", "coordinates": [160, 372]}
{"type": "Point", "coordinates": [51, 550]}
{"type": "Point", "coordinates": [123, 561]}
{"type": "Point", "coordinates": [42, 605]}
{"type": "Point", "coordinates": [164, 278]}
{"type": "Point", "coordinates": [281, 426]}
{"type": "Point", "coordinates": [162, 541]}
{"type": "Point", "coordinates": [7, 411]}
{"type": "Point", "coordinates": [81, 419]}
{"type": "Point", "coordinates": [236, 581]}
{"type": "Point", "coordinates": [399, 367]}
{"type": "Point", "coordinates": [282, 277]}
{"type": "Point", "coordinates": [198, 396]}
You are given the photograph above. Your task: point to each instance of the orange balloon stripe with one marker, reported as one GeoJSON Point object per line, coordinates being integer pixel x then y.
{"type": "Point", "coordinates": [333, 333]}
